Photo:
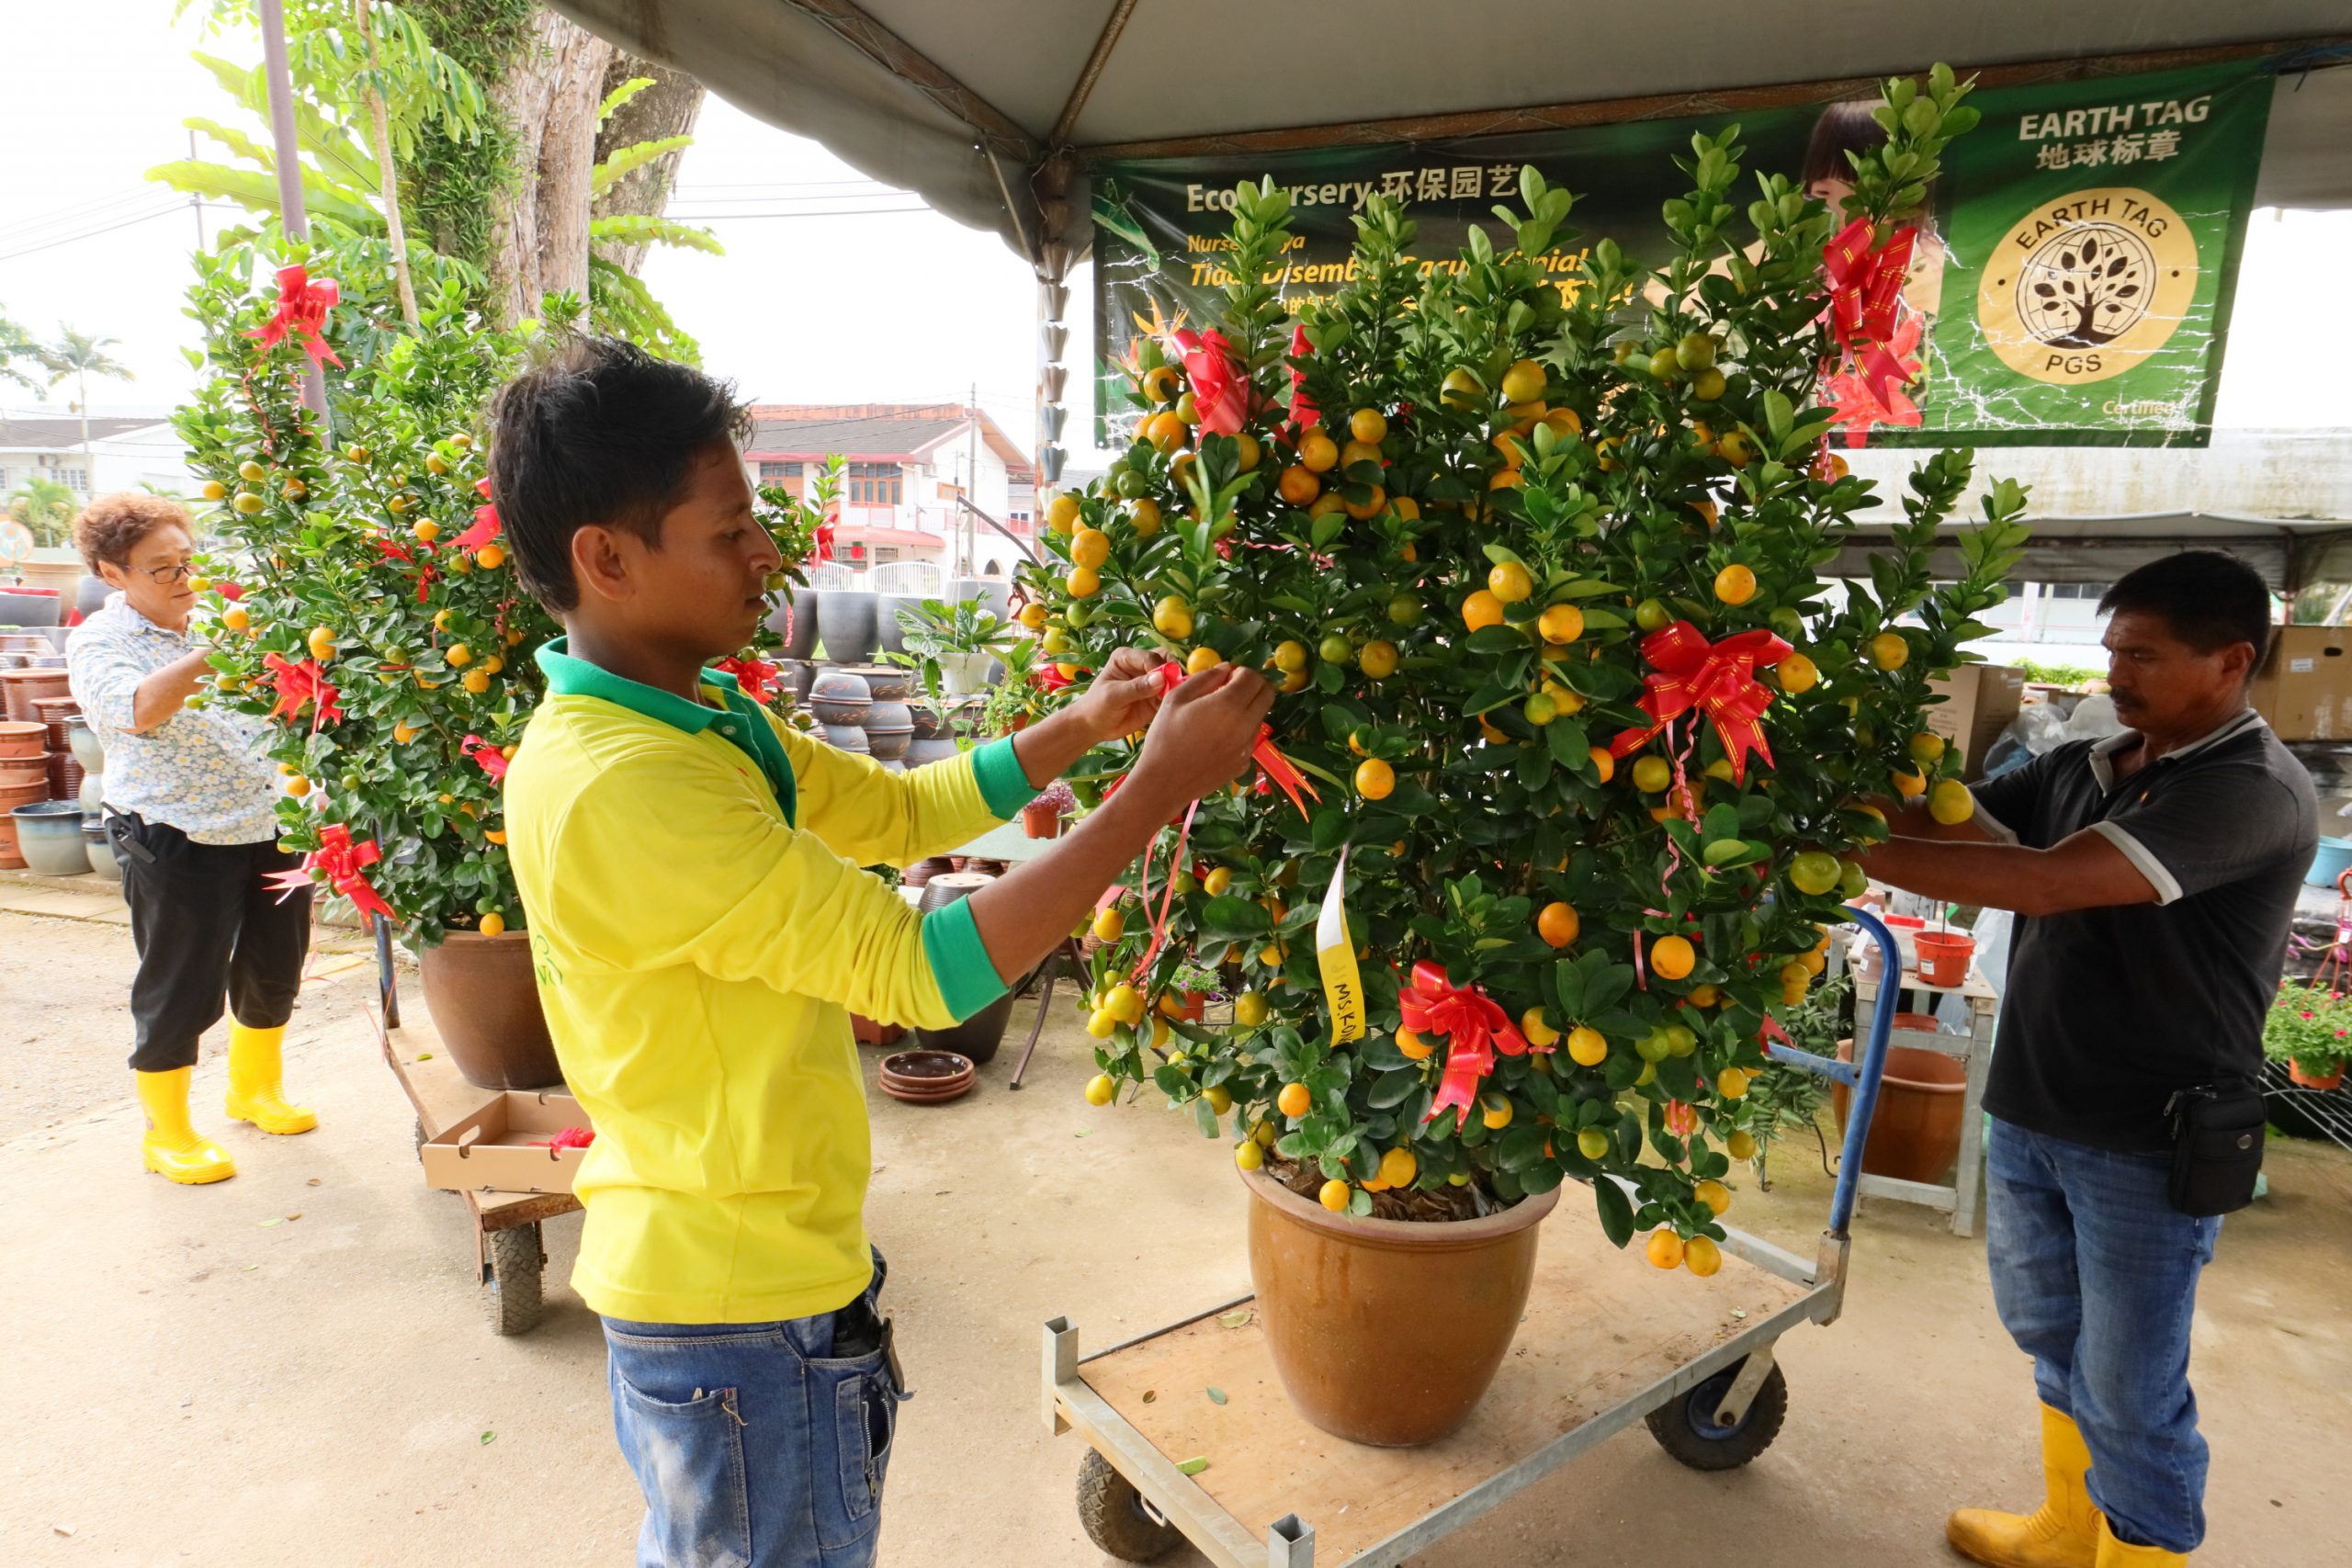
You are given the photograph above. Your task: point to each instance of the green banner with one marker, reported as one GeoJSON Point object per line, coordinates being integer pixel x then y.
{"type": "Point", "coordinates": [2071, 285]}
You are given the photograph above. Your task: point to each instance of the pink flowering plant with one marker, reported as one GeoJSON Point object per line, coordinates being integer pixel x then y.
{"type": "Point", "coordinates": [2309, 1027]}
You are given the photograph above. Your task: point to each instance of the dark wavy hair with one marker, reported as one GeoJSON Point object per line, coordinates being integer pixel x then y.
{"type": "Point", "coordinates": [600, 433]}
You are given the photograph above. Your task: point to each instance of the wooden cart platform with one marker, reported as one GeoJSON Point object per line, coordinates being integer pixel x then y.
{"type": "Point", "coordinates": [1606, 1339]}
{"type": "Point", "coordinates": [507, 1248]}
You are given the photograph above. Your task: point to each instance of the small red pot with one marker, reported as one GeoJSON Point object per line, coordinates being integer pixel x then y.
{"type": "Point", "coordinates": [1042, 820]}
{"type": "Point", "coordinates": [1944, 957]}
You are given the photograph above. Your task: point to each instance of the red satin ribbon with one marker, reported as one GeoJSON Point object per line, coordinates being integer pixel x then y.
{"type": "Point", "coordinates": [1717, 679]}
{"type": "Point", "coordinates": [757, 677]}
{"type": "Point", "coordinates": [302, 684]}
{"type": "Point", "coordinates": [425, 570]}
{"type": "Point", "coordinates": [825, 541]}
{"type": "Point", "coordinates": [1866, 285]}
{"type": "Point", "coordinates": [1271, 764]}
{"type": "Point", "coordinates": [301, 312]}
{"type": "Point", "coordinates": [1304, 414]}
{"type": "Point", "coordinates": [1475, 1024]}
{"type": "Point", "coordinates": [1167, 899]}
{"type": "Point", "coordinates": [345, 865]}
{"type": "Point", "coordinates": [486, 524]}
{"type": "Point", "coordinates": [493, 759]}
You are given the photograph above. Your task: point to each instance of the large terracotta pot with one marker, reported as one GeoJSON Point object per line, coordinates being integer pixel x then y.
{"type": "Point", "coordinates": [485, 1004]}
{"type": "Point", "coordinates": [1914, 1132]}
{"type": "Point", "coordinates": [1332, 1290]}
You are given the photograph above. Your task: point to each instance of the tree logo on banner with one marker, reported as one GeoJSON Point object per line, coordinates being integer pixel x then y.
{"type": "Point", "coordinates": [2087, 286]}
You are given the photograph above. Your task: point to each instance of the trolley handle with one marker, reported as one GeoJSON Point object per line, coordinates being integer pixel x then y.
{"type": "Point", "coordinates": [1861, 1077]}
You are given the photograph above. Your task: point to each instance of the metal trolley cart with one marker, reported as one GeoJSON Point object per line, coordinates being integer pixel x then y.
{"type": "Point", "coordinates": [1696, 1365]}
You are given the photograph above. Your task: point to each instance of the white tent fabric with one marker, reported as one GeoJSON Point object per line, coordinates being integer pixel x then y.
{"type": "Point", "coordinates": [960, 102]}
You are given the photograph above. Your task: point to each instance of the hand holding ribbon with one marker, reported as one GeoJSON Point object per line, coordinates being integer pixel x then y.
{"type": "Point", "coordinates": [1271, 763]}
{"type": "Point", "coordinates": [1476, 1023]}
{"type": "Point", "coordinates": [1717, 679]}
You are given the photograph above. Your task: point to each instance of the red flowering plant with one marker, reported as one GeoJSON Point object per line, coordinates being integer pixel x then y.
{"type": "Point", "coordinates": [2309, 1027]}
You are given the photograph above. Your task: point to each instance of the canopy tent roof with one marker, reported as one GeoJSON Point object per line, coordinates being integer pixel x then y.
{"type": "Point", "coordinates": [2279, 500]}
{"type": "Point", "coordinates": [966, 103]}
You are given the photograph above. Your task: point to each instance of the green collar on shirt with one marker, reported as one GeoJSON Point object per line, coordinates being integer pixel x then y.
{"type": "Point", "coordinates": [738, 717]}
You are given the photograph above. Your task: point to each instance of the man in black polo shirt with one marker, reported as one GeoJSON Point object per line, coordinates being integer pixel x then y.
{"type": "Point", "coordinates": [2155, 873]}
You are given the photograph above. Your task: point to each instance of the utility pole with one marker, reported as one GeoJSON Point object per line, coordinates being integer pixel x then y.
{"type": "Point", "coordinates": [195, 201]}
{"type": "Point", "coordinates": [972, 484]}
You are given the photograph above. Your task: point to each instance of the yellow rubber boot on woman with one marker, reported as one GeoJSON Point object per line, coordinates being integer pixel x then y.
{"type": "Point", "coordinates": [2064, 1532]}
{"type": "Point", "coordinates": [172, 1148]}
{"type": "Point", "coordinates": [256, 1070]}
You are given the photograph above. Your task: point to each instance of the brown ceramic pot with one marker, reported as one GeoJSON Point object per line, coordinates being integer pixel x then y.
{"type": "Point", "coordinates": [1922, 1101]}
{"type": "Point", "coordinates": [485, 1004]}
{"type": "Point", "coordinates": [1332, 1290]}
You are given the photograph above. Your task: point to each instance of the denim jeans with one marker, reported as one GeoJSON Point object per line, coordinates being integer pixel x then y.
{"type": "Point", "coordinates": [2095, 1273]}
{"type": "Point", "coordinates": [754, 1445]}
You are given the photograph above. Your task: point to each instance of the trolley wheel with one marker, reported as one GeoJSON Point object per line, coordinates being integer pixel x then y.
{"type": "Point", "coordinates": [1686, 1427]}
{"type": "Point", "coordinates": [511, 1295]}
{"type": "Point", "coordinates": [1116, 1517]}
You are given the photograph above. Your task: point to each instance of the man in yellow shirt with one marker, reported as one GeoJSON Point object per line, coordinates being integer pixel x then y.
{"type": "Point", "coordinates": [690, 874]}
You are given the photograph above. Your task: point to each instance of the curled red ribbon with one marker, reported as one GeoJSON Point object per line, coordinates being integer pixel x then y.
{"type": "Point", "coordinates": [757, 677]}
{"type": "Point", "coordinates": [486, 525]}
{"type": "Point", "coordinates": [301, 312]}
{"type": "Point", "coordinates": [425, 570]}
{"type": "Point", "coordinates": [1866, 285]}
{"type": "Point", "coordinates": [344, 865]}
{"type": "Point", "coordinates": [1475, 1025]}
{"type": "Point", "coordinates": [1304, 414]}
{"type": "Point", "coordinates": [302, 684]}
{"type": "Point", "coordinates": [493, 759]}
{"type": "Point", "coordinates": [1717, 679]}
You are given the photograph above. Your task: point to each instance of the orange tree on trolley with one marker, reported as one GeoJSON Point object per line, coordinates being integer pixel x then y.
{"type": "Point", "coordinates": [1487, 539]}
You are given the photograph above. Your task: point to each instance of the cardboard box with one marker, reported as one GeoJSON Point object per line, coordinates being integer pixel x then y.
{"type": "Point", "coordinates": [1980, 701]}
{"type": "Point", "coordinates": [502, 1146]}
{"type": "Point", "coordinates": [2304, 687]}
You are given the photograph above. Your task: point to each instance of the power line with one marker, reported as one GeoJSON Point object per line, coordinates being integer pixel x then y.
{"type": "Point", "coordinates": [172, 211]}
{"type": "Point", "coordinates": [836, 212]}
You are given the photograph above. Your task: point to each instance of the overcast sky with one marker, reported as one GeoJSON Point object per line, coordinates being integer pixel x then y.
{"type": "Point", "coordinates": [874, 305]}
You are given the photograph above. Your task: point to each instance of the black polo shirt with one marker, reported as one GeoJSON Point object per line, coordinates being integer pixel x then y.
{"type": "Point", "coordinates": [2109, 1011]}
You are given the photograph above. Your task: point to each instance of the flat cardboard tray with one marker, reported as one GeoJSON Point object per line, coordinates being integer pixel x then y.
{"type": "Point", "coordinates": [502, 1145]}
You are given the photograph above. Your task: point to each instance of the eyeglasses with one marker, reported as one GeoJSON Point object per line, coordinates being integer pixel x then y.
{"type": "Point", "coordinates": [167, 575]}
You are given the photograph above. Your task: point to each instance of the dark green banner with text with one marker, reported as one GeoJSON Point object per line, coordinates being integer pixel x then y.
{"type": "Point", "coordinates": [2071, 285]}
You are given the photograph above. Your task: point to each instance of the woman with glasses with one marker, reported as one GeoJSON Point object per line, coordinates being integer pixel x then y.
{"type": "Point", "coordinates": [191, 810]}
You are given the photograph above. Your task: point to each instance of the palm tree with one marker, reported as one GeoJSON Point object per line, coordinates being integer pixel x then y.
{"type": "Point", "coordinates": [81, 355]}
{"type": "Point", "coordinates": [46, 507]}
{"type": "Point", "coordinates": [17, 343]}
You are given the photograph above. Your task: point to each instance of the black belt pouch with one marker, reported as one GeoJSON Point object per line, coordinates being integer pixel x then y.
{"type": "Point", "coordinates": [2216, 1149]}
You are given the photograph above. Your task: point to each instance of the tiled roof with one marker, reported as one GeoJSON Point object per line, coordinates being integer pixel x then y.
{"type": "Point", "coordinates": [865, 431]}
{"type": "Point", "coordinates": [59, 432]}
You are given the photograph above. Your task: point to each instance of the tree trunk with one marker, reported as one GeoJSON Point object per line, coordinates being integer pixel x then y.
{"type": "Point", "coordinates": [669, 107]}
{"type": "Point", "coordinates": [539, 222]}
{"type": "Point", "coordinates": [387, 177]}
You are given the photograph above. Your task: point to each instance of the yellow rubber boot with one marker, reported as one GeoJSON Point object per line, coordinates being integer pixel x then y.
{"type": "Point", "coordinates": [172, 1148]}
{"type": "Point", "coordinates": [2113, 1553]}
{"type": "Point", "coordinates": [255, 1070]}
{"type": "Point", "coordinates": [2062, 1533]}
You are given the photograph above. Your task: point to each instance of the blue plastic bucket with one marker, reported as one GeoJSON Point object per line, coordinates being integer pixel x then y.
{"type": "Point", "coordinates": [2333, 859]}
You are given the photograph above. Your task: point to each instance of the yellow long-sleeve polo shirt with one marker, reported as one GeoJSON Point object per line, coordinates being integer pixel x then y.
{"type": "Point", "coordinates": [700, 925]}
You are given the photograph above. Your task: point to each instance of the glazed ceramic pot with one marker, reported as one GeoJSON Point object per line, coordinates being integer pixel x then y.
{"type": "Point", "coordinates": [889, 730]}
{"type": "Point", "coordinates": [887, 682]}
{"type": "Point", "coordinates": [1332, 1288]}
{"type": "Point", "coordinates": [49, 835]}
{"type": "Point", "coordinates": [83, 743]}
{"type": "Point", "coordinates": [847, 737]}
{"type": "Point", "coordinates": [839, 697]}
{"type": "Point", "coordinates": [96, 845]}
{"type": "Point", "coordinates": [485, 1003]}
{"type": "Point", "coordinates": [30, 607]}
{"type": "Point", "coordinates": [799, 625]}
{"type": "Point", "coordinates": [964, 674]}
{"type": "Point", "coordinates": [845, 623]}
{"type": "Point", "coordinates": [926, 749]}
{"type": "Point", "coordinates": [890, 620]}
{"type": "Point", "coordinates": [799, 675]}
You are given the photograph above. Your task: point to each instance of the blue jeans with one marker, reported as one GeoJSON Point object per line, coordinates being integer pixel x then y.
{"type": "Point", "coordinates": [2095, 1273]}
{"type": "Point", "coordinates": [754, 1445]}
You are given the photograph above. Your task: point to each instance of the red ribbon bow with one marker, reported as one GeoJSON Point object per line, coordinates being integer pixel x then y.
{"type": "Point", "coordinates": [301, 311]}
{"type": "Point", "coordinates": [390, 549]}
{"type": "Point", "coordinates": [1220, 389]}
{"type": "Point", "coordinates": [825, 541]}
{"type": "Point", "coordinates": [757, 677]}
{"type": "Point", "coordinates": [345, 865]}
{"type": "Point", "coordinates": [1717, 679]}
{"type": "Point", "coordinates": [486, 524]}
{"type": "Point", "coordinates": [1271, 763]}
{"type": "Point", "coordinates": [1866, 285]}
{"type": "Point", "coordinates": [1304, 414]}
{"type": "Point", "coordinates": [301, 684]}
{"type": "Point", "coordinates": [493, 759]}
{"type": "Point", "coordinates": [1473, 1021]}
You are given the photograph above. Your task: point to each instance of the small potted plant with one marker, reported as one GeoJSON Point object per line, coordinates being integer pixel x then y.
{"type": "Point", "coordinates": [2310, 1030]}
{"type": "Point", "coordinates": [1042, 817]}
{"type": "Point", "coordinates": [949, 646]}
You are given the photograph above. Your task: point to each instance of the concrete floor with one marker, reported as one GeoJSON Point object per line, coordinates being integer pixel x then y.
{"type": "Point", "coordinates": [291, 1367]}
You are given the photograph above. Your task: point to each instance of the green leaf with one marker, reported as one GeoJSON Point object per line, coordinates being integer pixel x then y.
{"type": "Point", "coordinates": [1616, 1213]}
